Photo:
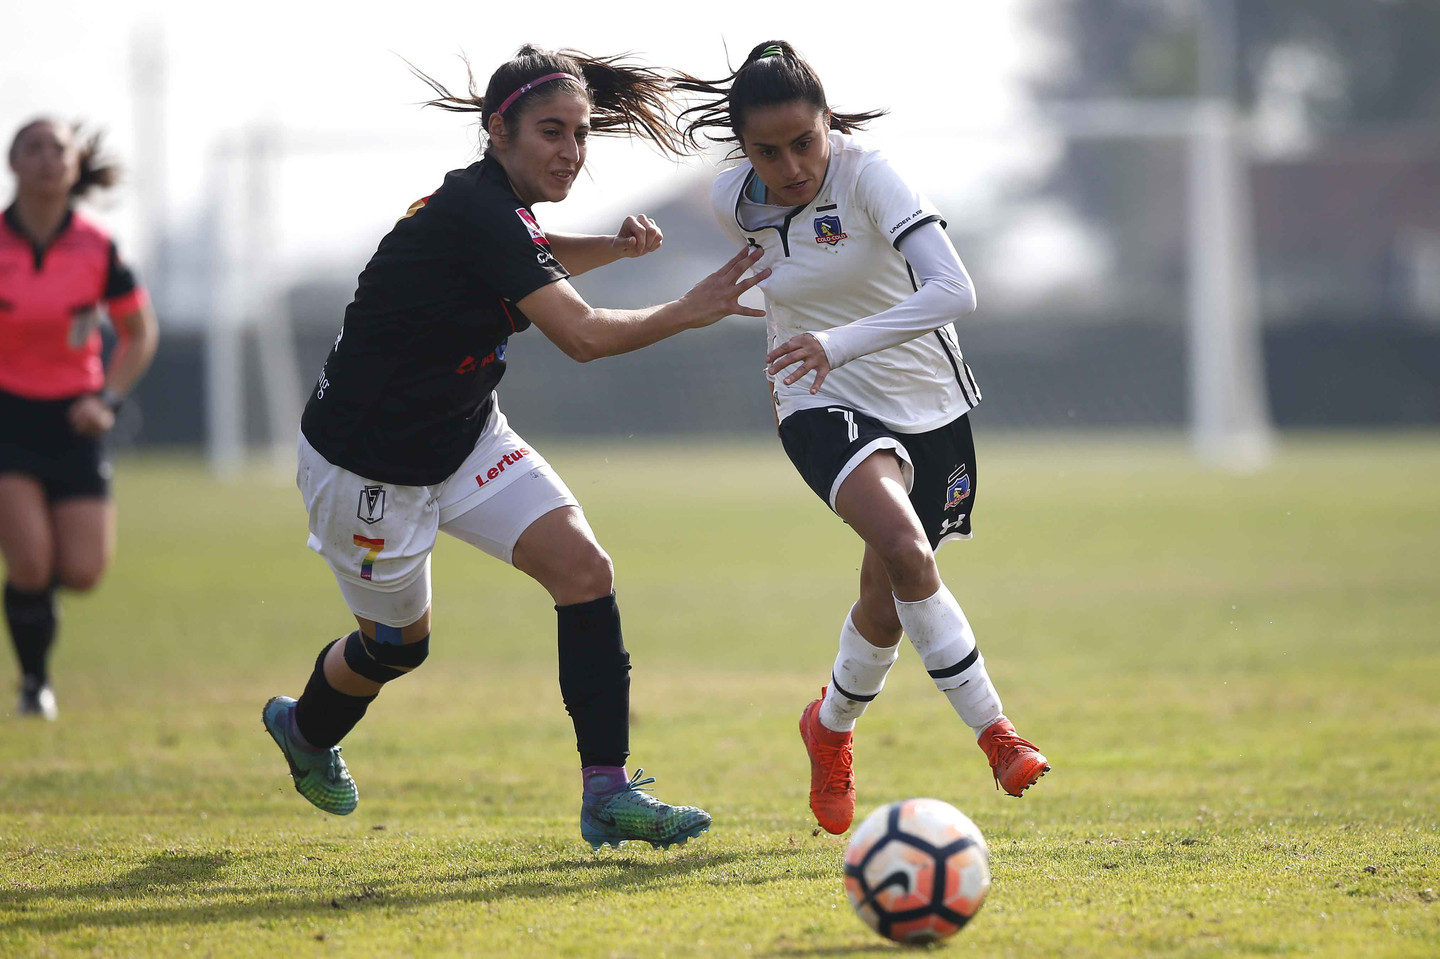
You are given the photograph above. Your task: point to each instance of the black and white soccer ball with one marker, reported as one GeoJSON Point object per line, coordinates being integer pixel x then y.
{"type": "Point", "coordinates": [917, 870]}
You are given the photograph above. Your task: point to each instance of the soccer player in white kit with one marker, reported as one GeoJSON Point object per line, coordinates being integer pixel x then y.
{"type": "Point", "coordinates": [870, 391]}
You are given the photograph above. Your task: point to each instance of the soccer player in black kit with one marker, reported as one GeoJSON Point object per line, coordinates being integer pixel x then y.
{"type": "Point", "coordinates": [403, 436]}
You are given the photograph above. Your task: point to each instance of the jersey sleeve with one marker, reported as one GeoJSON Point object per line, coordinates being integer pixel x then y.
{"type": "Point", "coordinates": [894, 206]}
{"type": "Point", "coordinates": [505, 247]}
{"type": "Point", "coordinates": [123, 293]}
{"type": "Point", "coordinates": [945, 294]}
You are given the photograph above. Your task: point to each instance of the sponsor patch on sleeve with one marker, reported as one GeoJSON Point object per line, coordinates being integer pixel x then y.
{"type": "Point", "coordinates": [531, 226]}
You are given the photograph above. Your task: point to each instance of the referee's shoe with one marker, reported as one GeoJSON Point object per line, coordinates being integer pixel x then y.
{"type": "Point", "coordinates": [36, 699]}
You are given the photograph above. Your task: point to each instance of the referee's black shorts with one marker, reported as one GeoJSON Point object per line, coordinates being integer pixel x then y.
{"type": "Point", "coordinates": [37, 440]}
{"type": "Point", "coordinates": [826, 444]}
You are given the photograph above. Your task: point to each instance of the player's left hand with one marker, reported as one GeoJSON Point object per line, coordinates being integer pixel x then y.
{"type": "Point", "coordinates": [637, 236]}
{"type": "Point", "coordinates": [90, 416]}
{"type": "Point", "coordinates": [805, 350]}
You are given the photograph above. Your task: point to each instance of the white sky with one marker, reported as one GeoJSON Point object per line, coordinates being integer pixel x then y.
{"type": "Point", "coordinates": [330, 71]}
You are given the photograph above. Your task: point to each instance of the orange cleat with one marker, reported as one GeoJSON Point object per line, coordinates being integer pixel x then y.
{"type": "Point", "coordinates": [1017, 764]}
{"type": "Point", "coordinates": [832, 780]}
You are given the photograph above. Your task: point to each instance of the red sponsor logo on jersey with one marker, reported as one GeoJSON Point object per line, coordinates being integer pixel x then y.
{"type": "Point", "coordinates": [509, 459]}
{"type": "Point", "coordinates": [469, 364]}
{"type": "Point", "coordinates": [532, 227]}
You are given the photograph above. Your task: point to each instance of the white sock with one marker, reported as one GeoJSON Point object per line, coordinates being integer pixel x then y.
{"type": "Point", "coordinates": [942, 636]}
{"type": "Point", "coordinates": [858, 677]}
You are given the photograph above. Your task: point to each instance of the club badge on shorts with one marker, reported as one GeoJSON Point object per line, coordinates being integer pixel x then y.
{"type": "Point", "coordinates": [959, 488]}
{"type": "Point", "coordinates": [371, 508]}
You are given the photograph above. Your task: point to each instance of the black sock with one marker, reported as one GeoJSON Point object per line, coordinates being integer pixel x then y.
{"type": "Point", "coordinates": [31, 617]}
{"type": "Point", "coordinates": [595, 680]}
{"type": "Point", "coordinates": [324, 715]}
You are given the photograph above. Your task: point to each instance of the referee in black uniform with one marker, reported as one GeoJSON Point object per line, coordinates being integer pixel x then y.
{"type": "Point", "coordinates": [403, 436]}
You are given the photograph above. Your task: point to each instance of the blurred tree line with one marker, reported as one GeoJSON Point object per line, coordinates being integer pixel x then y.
{"type": "Point", "coordinates": [1333, 68]}
{"type": "Point", "coordinates": [1374, 61]}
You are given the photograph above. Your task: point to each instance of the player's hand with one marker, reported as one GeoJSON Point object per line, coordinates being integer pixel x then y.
{"type": "Point", "coordinates": [718, 295]}
{"type": "Point", "coordinates": [804, 349]}
{"type": "Point", "coordinates": [637, 236]}
{"type": "Point", "coordinates": [89, 416]}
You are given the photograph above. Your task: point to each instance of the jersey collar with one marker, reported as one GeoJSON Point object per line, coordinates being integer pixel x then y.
{"type": "Point", "coordinates": [784, 228]}
{"type": "Point", "coordinates": [12, 220]}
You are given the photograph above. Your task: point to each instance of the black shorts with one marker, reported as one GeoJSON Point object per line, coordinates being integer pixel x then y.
{"type": "Point", "coordinates": [826, 444]}
{"type": "Point", "coordinates": [36, 440]}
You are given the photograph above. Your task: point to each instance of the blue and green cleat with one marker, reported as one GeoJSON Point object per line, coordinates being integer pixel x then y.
{"type": "Point", "coordinates": [629, 813]}
{"type": "Point", "coordinates": [320, 774]}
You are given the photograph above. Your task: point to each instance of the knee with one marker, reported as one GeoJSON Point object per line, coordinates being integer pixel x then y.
{"type": "Point", "coordinates": [589, 575]}
{"type": "Point", "coordinates": [908, 559]}
{"type": "Point", "coordinates": [378, 660]}
{"type": "Point", "coordinates": [80, 577]}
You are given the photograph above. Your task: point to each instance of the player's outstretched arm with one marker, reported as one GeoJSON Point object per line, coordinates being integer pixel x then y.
{"type": "Point", "coordinates": [580, 253]}
{"type": "Point", "coordinates": [944, 295]}
{"type": "Point", "coordinates": [586, 333]}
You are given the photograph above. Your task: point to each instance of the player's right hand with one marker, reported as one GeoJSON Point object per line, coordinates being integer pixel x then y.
{"type": "Point", "coordinates": [89, 416]}
{"type": "Point", "coordinates": [718, 295]}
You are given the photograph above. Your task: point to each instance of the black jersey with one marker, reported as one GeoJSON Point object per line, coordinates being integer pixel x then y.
{"type": "Point", "coordinates": [408, 385]}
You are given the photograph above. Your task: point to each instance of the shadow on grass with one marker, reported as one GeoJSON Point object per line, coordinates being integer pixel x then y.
{"type": "Point", "coordinates": [106, 905]}
{"type": "Point", "coordinates": [875, 948]}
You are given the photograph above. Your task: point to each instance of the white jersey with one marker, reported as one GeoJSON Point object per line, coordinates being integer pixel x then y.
{"type": "Point", "coordinates": [834, 261]}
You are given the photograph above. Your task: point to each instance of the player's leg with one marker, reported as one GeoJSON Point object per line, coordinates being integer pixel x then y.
{"type": "Point", "coordinates": [376, 539]}
{"type": "Point", "coordinates": [84, 530]}
{"type": "Point", "coordinates": [27, 543]}
{"type": "Point", "coordinates": [347, 677]}
{"type": "Point", "coordinates": [535, 524]}
{"type": "Point", "coordinates": [874, 501]}
{"type": "Point", "coordinates": [869, 646]}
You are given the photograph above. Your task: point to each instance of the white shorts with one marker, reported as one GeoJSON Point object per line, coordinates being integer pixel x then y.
{"type": "Point", "coordinates": [377, 537]}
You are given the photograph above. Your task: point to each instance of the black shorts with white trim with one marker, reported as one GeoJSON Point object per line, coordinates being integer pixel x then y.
{"type": "Point", "coordinates": [827, 443]}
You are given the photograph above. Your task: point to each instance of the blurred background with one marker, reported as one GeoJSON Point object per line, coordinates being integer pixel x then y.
{"type": "Point", "coordinates": [1217, 217]}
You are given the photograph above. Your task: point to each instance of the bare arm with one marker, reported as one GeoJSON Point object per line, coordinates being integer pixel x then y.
{"type": "Point", "coordinates": [586, 333]}
{"type": "Point", "coordinates": [138, 333]}
{"type": "Point", "coordinates": [580, 253]}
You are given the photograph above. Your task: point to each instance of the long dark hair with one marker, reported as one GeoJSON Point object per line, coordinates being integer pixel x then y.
{"type": "Point", "coordinates": [625, 98]}
{"type": "Point", "coordinates": [772, 73]}
{"type": "Point", "coordinates": [97, 170]}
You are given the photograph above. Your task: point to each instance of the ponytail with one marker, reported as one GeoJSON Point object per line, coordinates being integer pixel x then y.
{"type": "Point", "coordinates": [772, 73]}
{"type": "Point", "coordinates": [97, 170]}
{"type": "Point", "coordinates": [625, 98]}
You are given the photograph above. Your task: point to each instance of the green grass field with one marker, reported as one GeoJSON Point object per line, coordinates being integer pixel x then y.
{"type": "Point", "coordinates": [1237, 680]}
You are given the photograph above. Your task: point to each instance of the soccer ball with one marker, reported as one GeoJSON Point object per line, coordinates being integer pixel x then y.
{"type": "Point", "coordinates": [917, 870]}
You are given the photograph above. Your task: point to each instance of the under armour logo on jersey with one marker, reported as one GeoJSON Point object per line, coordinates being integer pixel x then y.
{"type": "Point", "coordinates": [371, 508]}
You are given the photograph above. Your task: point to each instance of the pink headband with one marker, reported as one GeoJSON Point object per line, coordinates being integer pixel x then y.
{"type": "Point", "coordinates": [531, 85]}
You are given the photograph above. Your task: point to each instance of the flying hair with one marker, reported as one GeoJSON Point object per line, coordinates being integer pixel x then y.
{"type": "Point", "coordinates": [97, 170]}
{"type": "Point", "coordinates": [626, 99]}
{"type": "Point", "coordinates": [772, 73]}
